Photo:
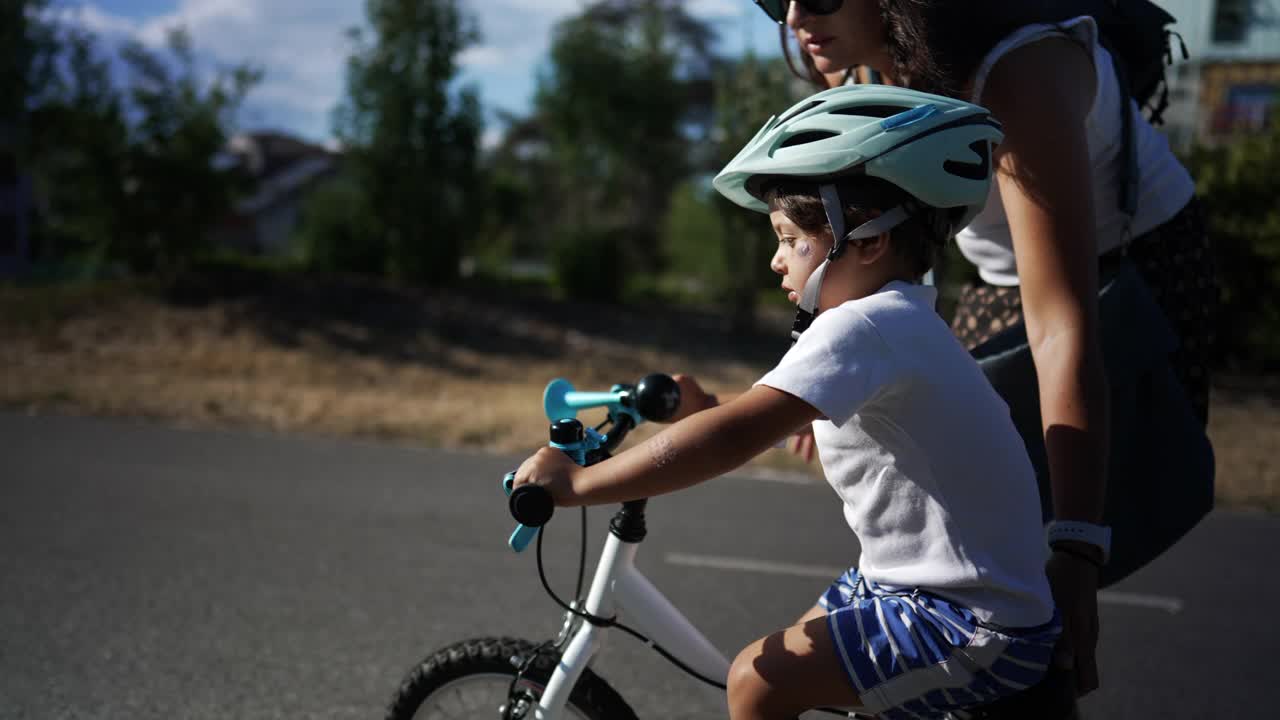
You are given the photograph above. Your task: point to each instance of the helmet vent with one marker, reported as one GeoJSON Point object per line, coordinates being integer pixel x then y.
{"type": "Point", "coordinates": [805, 138]}
{"type": "Point", "coordinates": [796, 111]}
{"type": "Point", "coordinates": [875, 111]}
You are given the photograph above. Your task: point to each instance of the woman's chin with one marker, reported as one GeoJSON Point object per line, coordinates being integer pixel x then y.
{"type": "Point", "coordinates": [828, 65]}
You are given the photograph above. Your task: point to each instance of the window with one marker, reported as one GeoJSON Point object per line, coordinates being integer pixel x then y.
{"type": "Point", "coordinates": [1231, 20]}
{"type": "Point", "coordinates": [1248, 108]}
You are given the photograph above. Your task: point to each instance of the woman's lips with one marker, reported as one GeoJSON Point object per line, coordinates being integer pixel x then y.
{"type": "Point", "coordinates": [815, 43]}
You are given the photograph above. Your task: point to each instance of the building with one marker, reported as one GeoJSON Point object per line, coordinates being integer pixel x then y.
{"type": "Point", "coordinates": [284, 169]}
{"type": "Point", "coordinates": [1231, 84]}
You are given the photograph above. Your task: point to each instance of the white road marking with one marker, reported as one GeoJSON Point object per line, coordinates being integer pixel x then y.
{"type": "Point", "coordinates": [1171, 605]}
{"type": "Point", "coordinates": [779, 476]}
{"type": "Point", "coordinates": [749, 565]}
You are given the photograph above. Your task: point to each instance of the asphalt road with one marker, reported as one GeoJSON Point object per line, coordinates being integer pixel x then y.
{"type": "Point", "coordinates": [152, 572]}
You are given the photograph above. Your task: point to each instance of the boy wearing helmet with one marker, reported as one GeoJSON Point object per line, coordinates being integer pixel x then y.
{"type": "Point", "coordinates": [948, 607]}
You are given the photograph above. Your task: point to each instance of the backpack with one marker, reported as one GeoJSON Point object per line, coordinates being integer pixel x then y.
{"type": "Point", "coordinates": [1137, 34]}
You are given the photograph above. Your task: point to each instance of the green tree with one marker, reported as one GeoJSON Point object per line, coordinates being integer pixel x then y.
{"type": "Point", "coordinates": [176, 188]}
{"type": "Point", "coordinates": [748, 93]}
{"type": "Point", "coordinates": [130, 172]}
{"type": "Point", "coordinates": [25, 68]}
{"type": "Point", "coordinates": [612, 105]}
{"type": "Point", "coordinates": [414, 138]}
{"type": "Point", "coordinates": [1237, 182]}
{"type": "Point", "coordinates": [338, 232]}
{"type": "Point", "coordinates": [78, 153]}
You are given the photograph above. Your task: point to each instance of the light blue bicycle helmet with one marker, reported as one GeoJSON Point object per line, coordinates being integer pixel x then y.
{"type": "Point", "coordinates": [936, 149]}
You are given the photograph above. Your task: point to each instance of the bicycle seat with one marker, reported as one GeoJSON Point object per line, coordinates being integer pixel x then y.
{"type": "Point", "coordinates": [1053, 698]}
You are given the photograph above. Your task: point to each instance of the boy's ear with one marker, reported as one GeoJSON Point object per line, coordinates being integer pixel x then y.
{"type": "Point", "coordinates": [872, 249]}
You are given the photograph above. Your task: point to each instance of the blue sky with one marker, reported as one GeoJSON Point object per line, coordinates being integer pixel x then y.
{"type": "Point", "coordinates": [301, 45]}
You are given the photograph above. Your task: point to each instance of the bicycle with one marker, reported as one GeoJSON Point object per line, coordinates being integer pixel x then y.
{"type": "Point", "coordinates": [515, 679]}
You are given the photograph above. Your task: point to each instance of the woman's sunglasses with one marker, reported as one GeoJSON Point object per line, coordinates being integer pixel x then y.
{"type": "Point", "coordinates": [777, 9]}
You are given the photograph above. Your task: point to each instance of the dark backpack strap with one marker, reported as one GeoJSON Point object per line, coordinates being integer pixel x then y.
{"type": "Point", "coordinates": [1130, 173]}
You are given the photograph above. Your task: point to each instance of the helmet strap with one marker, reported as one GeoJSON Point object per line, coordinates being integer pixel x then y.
{"type": "Point", "coordinates": [807, 308]}
{"type": "Point", "coordinates": [835, 218]}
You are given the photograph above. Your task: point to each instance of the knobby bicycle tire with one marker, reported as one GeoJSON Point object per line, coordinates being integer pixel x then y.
{"type": "Point", "coordinates": [592, 697]}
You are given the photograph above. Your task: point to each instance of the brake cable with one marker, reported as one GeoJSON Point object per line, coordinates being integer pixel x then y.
{"type": "Point", "coordinates": [613, 622]}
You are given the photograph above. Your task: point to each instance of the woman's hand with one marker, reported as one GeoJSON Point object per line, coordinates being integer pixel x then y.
{"type": "Point", "coordinates": [693, 398]}
{"type": "Point", "coordinates": [1074, 582]}
{"type": "Point", "coordinates": [553, 470]}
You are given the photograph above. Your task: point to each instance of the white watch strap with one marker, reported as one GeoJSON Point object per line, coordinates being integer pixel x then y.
{"type": "Point", "coordinates": [1089, 533]}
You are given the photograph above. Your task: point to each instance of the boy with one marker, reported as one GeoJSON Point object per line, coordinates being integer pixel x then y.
{"type": "Point", "coordinates": [948, 607]}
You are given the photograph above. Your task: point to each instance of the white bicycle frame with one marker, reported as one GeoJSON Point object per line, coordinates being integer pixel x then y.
{"type": "Point", "coordinates": [618, 587]}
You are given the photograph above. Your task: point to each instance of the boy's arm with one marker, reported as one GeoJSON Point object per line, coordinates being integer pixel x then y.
{"type": "Point", "coordinates": [694, 399]}
{"type": "Point", "coordinates": [698, 448]}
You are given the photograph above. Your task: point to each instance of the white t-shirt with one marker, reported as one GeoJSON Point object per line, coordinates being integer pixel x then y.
{"type": "Point", "coordinates": [1164, 185]}
{"type": "Point", "coordinates": [935, 480]}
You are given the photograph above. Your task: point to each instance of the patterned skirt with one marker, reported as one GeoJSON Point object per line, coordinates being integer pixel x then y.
{"type": "Point", "coordinates": [1177, 265]}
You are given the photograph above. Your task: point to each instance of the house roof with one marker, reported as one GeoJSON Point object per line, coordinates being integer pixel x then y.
{"type": "Point", "coordinates": [280, 164]}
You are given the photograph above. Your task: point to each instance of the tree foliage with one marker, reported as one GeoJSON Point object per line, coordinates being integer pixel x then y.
{"type": "Point", "coordinates": [1237, 182]}
{"type": "Point", "coordinates": [748, 93]}
{"type": "Point", "coordinates": [413, 138]}
{"type": "Point", "coordinates": [176, 188]}
{"type": "Point", "coordinates": [611, 107]}
{"type": "Point", "coordinates": [128, 171]}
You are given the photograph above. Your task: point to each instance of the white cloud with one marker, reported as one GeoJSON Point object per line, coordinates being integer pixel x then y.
{"type": "Point", "coordinates": [302, 47]}
{"type": "Point", "coordinates": [716, 9]}
{"type": "Point", "coordinates": [484, 56]}
{"type": "Point", "coordinates": [91, 18]}
{"type": "Point", "coordinates": [491, 138]}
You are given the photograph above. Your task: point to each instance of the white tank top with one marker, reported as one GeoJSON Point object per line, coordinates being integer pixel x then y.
{"type": "Point", "coordinates": [1164, 188]}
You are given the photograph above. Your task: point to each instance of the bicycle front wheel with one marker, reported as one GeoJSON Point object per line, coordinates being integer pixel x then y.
{"type": "Point", "coordinates": [472, 679]}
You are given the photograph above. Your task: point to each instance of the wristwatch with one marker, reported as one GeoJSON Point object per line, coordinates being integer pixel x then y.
{"type": "Point", "coordinates": [1073, 530]}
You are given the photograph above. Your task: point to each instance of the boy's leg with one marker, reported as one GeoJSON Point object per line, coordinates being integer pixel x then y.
{"type": "Point", "coordinates": [813, 613]}
{"type": "Point", "coordinates": [788, 672]}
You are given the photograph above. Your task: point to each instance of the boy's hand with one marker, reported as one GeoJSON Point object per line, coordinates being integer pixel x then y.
{"type": "Point", "coordinates": [692, 398]}
{"type": "Point", "coordinates": [554, 471]}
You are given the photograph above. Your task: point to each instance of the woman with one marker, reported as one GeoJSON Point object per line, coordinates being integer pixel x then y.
{"type": "Point", "coordinates": [1054, 209]}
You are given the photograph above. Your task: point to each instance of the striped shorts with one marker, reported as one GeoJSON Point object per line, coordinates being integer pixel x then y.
{"type": "Point", "coordinates": [910, 654]}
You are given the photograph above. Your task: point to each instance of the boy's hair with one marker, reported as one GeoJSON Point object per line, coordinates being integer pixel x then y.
{"type": "Point", "coordinates": [916, 240]}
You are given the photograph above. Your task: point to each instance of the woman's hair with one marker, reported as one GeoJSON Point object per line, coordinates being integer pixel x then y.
{"type": "Point", "coordinates": [915, 240]}
{"type": "Point", "coordinates": [934, 45]}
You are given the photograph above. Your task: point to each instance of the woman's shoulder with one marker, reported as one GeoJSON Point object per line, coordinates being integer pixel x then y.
{"type": "Point", "coordinates": [1049, 58]}
{"type": "Point", "coordinates": [1049, 79]}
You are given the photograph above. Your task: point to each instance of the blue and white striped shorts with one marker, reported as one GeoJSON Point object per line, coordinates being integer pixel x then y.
{"type": "Point", "coordinates": [910, 654]}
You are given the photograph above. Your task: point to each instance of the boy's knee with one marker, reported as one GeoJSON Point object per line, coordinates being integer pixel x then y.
{"type": "Point", "coordinates": [748, 692]}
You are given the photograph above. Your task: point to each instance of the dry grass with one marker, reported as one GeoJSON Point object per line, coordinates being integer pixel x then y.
{"type": "Point", "coordinates": [446, 369]}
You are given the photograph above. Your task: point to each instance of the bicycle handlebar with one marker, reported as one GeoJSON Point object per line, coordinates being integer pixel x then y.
{"type": "Point", "coordinates": [656, 397]}
{"type": "Point", "coordinates": [531, 506]}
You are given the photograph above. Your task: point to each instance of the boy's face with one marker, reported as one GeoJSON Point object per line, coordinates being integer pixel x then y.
{"type": "Point", "coordinates": [799, 254]}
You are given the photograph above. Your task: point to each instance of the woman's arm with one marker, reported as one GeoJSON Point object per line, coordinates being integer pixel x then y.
{"type": "Point", "coordinates": [698, 448]}
{"type": "Point", "coordinates": [1042, 93]}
